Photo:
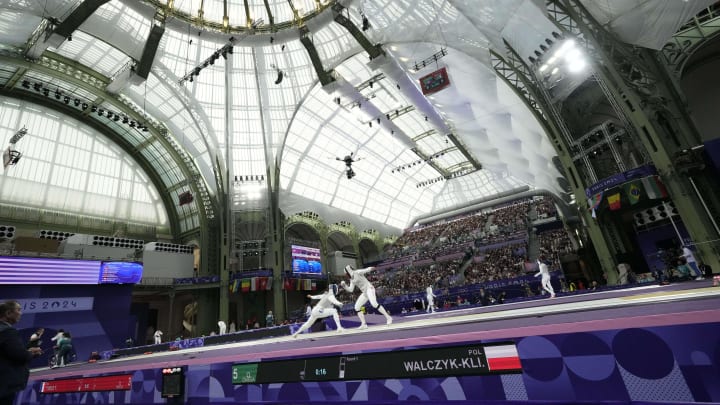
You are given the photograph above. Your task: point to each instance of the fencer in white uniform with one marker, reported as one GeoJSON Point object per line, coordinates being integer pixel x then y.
{"type": "Point", "coordinates": [323, 309]}
{"type": "Point", "coordinates": [430, 300]}
{"type": "Point", "coordinates": [545, 280]}
{"type": "Point", "coordinates": [222, 326]}
{"type": "Point", "coordinates": [357, 279]}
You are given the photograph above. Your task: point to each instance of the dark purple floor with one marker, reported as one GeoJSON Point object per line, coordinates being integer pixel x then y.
{"type": "Point", "coordinates": [565, 314]}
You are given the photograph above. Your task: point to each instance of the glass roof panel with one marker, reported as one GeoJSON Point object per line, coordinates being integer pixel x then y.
{"type": "Point", "coordinates": [190, 7]}
{"type": "Point", "coordinates": [60, 169]}
{"type": "Point", "coordinates": [334, 44]}
{"type": "Point", "coordinates": [236, 12]}
{"type": "Point", "coordinates": [280, 10]}
{"type": "Point", "coordinates": [213, 10]}
{"type": "Point", "coordinates": [119, 21]}
{"type": "Point", "coordinates": [92, 53]}
{"type": "Point", "coordinates": [258, 13]}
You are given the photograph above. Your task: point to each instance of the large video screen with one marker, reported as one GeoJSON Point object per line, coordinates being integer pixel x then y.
{"type": "Point", "coordinates": [120, 273]}
{"type": "Point", "coordinates": [305, 259]}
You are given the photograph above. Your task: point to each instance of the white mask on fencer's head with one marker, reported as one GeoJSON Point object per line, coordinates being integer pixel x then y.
{"type": "Point", "coordinates": [333, 289]}
{"type": "Point", "coordinates": [349, 270]}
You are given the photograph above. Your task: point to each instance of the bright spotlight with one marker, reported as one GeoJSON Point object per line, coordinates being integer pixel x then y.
{"type": "Point", "coordinates": [576, 66]}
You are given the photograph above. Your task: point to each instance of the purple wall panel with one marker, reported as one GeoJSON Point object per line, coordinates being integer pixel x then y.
{"type": "Point", "coordinates": [100, 327]}
{"type": "Point", "coordinates": [670, 363]}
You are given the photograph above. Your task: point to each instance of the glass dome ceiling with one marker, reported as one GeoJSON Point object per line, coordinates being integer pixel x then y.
{"type": "Point", "coordinates": [278, 111]}
{"type": "Point", "coordinates": [240, 15]}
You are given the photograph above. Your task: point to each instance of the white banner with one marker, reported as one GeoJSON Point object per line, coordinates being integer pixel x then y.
{"type": "Point", "coordinates": [42, 305]}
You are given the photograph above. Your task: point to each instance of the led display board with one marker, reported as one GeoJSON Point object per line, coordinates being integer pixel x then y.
{"type": "Point", "coordinates": [87, 384]}
{"type": "Point", "coordinates": [476, 359]}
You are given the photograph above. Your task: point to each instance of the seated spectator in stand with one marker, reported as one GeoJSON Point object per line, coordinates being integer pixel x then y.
{"type": "Point", "coordinates": [681, 271]}
{"type": "Point", "coordinates": [269, 319]}
{"type": "Point", "coordinates": [501, 297]}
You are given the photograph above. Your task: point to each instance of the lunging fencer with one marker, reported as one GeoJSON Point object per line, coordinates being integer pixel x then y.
{"type": "Point", "coordinates": [323, 309]}
{"type": "Point", "coordinates": [545, 280]}
{"type": "Point", "coordinates": [357, 279]}
{"type": "Point", "coordinates": [430, 300]}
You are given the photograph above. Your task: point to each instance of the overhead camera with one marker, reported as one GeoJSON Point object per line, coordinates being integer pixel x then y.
{"type": "Point", "coordinates": [349, 160]}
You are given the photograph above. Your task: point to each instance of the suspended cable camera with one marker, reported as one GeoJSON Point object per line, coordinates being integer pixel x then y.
{"type": "Point", "coordinates": [349, 160]}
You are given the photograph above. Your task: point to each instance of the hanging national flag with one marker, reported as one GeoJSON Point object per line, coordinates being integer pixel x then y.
{"type": "Point", "coordinates": [253, 284]}
{"type": "Point", "coordinates": [269, 281]}
{"type": "Point", "coordinates": [614, 201]}
{"type": "Point", "coordinates": [597, 199]}
{"type": "Point", "coordinates": [654, 188]}
{"type": "Point", "coordinates": [289, 284]}
{"type": "Point", "coordinates": [633, 192]}
{"type": "Point", "coordinates": [245, 285]}
{"type": "Point", "coordinates": [236, 286]}
{"type": "Point", "coordinates": [661, 186]}
{"type": "Point", "coordinates": [262, 284]}
{"type": "Point", "coordinates": [313, 286]}
{"type": "Point", "coordinates": [299, 284]}
{"type": "Point", "coordinates": [307, 284]}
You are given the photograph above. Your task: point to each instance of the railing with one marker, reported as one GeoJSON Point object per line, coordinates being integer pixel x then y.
{"type": "Point", "coordinates": [157, 281]}
{"type": "Point", "coordinates": [706, 14]}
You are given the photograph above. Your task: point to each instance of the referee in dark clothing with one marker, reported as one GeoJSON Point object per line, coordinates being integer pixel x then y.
{"type": "Point", "coordinates": [14, 356]}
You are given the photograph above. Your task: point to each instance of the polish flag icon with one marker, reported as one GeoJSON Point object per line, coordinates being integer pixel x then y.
{"type": "Point", "coordinates": [503, 358]}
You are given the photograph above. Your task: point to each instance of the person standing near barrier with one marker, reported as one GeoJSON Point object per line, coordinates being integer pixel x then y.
{"type": "Point", "coordinates": [14, 356]}
{"type": "Point", "coordinates": [430, 300]}
{"type": "Point", "coordinates": [545, 280]}
{"type": "Point", "coordinates": [691, 262]}
{"type": "Point", "coordinates": [64, 348]}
